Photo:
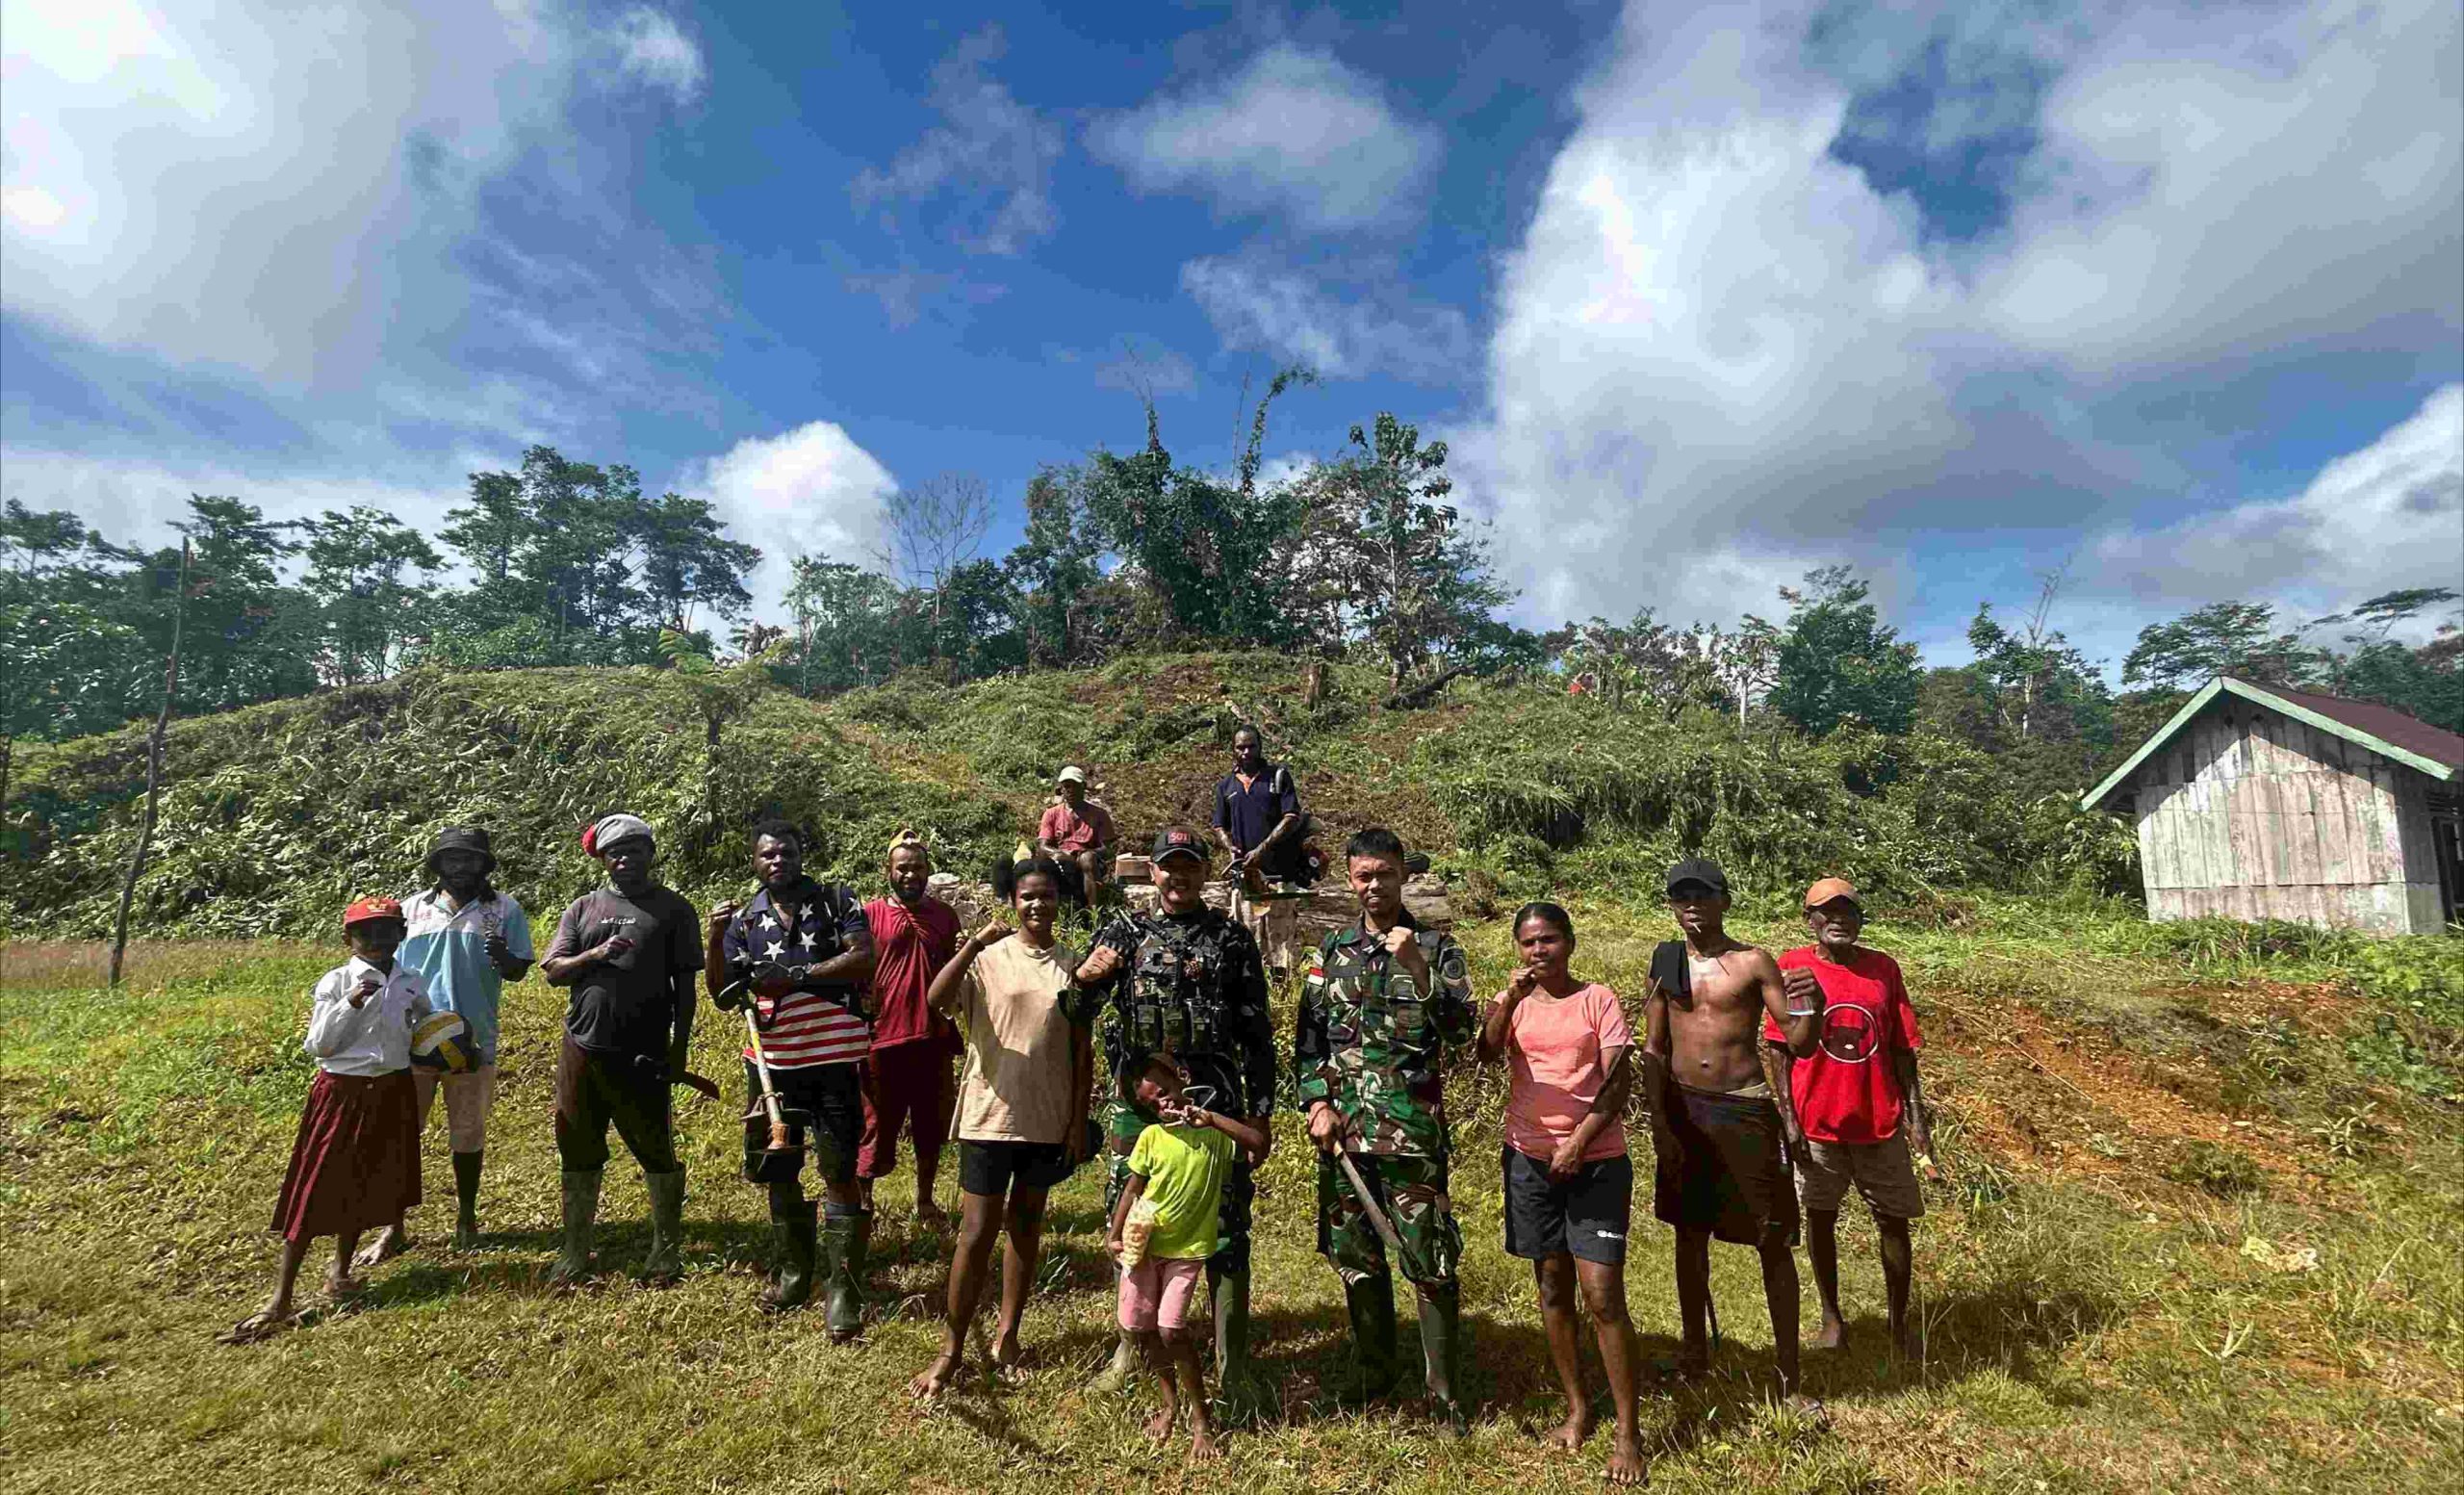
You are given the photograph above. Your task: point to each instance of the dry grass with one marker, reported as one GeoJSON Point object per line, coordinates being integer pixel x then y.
{"type": "Point", "coordinates": [2092, 1326]}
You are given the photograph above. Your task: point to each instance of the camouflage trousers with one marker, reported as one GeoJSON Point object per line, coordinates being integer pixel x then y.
{"type": "Point", "coordinates": [1122, 1126]}
{"type": "Point", "coordinates": [1412, 1193]}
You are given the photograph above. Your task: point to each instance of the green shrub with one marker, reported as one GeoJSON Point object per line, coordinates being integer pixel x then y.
{"type": "Point", "coordinates": [2215, 1169]}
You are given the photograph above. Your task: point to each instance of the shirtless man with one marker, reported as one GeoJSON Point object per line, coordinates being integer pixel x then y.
{"type": "Point", "coordinates": [1716, 1118]}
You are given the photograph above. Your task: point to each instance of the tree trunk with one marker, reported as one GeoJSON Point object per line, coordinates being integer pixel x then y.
{"type": "Point", "coordinates": [153, 770]}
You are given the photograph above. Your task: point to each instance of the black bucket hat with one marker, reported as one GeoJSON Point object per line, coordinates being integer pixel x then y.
{"type": "Point", "coordinates": [463, 838]}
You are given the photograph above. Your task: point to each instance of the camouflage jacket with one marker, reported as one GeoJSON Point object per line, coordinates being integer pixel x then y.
{"type": "Point", "coordinates": [1372, 1044]}
{"type": "Point", "coordinates": [1194, 988]}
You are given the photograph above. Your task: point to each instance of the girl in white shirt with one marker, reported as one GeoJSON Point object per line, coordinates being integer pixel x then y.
{"type": "Point", "coordinates": [355, 1164]}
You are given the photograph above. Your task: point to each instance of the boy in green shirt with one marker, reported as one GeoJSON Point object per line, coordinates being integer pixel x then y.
{"type": "Point", "coordinates": [1164, 1228]}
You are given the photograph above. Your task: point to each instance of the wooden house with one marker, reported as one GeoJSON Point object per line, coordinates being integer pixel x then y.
{"type": "Point", "coordinates": [2255, 802]}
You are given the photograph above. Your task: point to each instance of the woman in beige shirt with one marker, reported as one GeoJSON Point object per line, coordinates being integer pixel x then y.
{"type": "Point", "coordinates": [1023, 1105]}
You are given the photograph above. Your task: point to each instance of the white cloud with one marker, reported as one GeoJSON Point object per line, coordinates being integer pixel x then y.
{"type": "Point", "coordinates": [652, 47]}
{"type": "Point", "coordinates": [2203, 192]}
{"type": "Point", "coordinates": [1339, 331]}
{"type": "Point", "coordinates": [2390, 515]}
{"type": "Point", "coordinates": [136, 501]}
{"type": "Point", "coordinates": [990, 158]}
{"type": "Point", "coordinates": [263, 188]}
{"type": "Point", "coordinates": [1720, 355]}
{"type": "Point", "coordinates": [1294, 132]}
{"type": "Point", "coordinates": [812, 491]}
{"type": "Point", "coordinates": [1147, 371]}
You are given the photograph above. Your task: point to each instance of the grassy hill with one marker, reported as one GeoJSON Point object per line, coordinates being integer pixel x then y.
{"type": "Point", "coordinates": [2202, 1227]}
{"type": "Point", "coordinates": [273, 816]}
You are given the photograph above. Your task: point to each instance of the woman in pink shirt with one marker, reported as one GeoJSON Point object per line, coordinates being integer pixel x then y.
{"type": "Point", "coordinates": [1568, 1185]}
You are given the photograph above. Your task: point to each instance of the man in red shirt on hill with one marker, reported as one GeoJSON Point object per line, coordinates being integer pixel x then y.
{"type": "Point", "coordinates": [1859, 1108]}
{"type": "Point", "coordinates": [909, 1079]}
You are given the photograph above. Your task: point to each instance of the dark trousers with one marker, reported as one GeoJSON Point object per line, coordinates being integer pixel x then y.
{"type": "Point", "coordinates": [594, 1090]}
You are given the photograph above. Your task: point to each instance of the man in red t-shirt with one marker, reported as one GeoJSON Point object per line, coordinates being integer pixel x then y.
{"type": "Point", "coordinates": [908, 1077]}
{"type": "Point", "coordinates": [1077, 832]}
{"type": "Point", "coordinates": [1857, 1102]}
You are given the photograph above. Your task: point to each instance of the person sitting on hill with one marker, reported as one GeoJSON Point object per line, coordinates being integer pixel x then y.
{"type": "Point", "coordinates": [1077, 833]}
{"type": "Point", "coordinates": [1716, 1115]}
{"type": "Point", "coordinates": [1856, 1104]}
{"type": "Point", "coordinates": [1257, 813]}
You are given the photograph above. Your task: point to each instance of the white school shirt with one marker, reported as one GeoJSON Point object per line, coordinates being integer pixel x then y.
{"type": "Point", "coordinates": [374, 1038]}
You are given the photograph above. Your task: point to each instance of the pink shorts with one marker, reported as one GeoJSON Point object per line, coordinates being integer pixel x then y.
{"type": "Point", "coordinates": [1156, 1293]}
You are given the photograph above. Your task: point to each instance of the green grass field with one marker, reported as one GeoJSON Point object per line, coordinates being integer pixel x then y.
{"type": "Point", "coordinates": [2186, 1245]}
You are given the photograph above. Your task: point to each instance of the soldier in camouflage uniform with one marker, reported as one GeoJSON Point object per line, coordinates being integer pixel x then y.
{"type": "Point", "coordinates": [1383, 1000]}
{"type": "Point", "coordinates": [1186, 982]}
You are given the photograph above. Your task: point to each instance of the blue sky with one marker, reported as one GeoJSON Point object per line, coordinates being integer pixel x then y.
{"type": "Point", "coordinates": [1700, 297]}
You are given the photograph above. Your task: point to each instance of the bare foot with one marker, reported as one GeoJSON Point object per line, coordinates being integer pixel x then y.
{"type": "Point", "coordinates": [390, 1243]}
{"type": "Point", "coordinates": [1626, 1464]}
{"type": "Point", "coordinates": [1160, 1426]}
{"type": "Point", "coordinates": [1803, 1406]}
{"type": "Point", "coordinates": [264, 1324]}
{"type": "Point", "coordinates": [931, 1216]}
{"type": "Point", "coordinates": [1907, 1342]}
{"type": "Point", "coordinates": [345, 1291]}
{"type": "Point", "coordinates": [1007, 1353]}
{"type": "Point", "coordinates": [1202, 1445]}
{"type": "Point", "coordinates": [937, 1377]}
{"type": "Point", "coordinates": [1831, 1336]}
{"type": "Point", "coordinates": [1570, 1434]}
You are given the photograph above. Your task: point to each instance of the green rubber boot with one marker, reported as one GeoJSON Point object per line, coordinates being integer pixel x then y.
{"type": "Point", "coordinates": [1236, 1387]}
{"type": "Point", "coordinates": [1370, 1305]}
{"type": "Point", "coordinates": [1442, 1345]}
{"type": "Point", "coordinates": [581, 1207]}
{"type": "Point", "coordinates": [793, 1234]}
{"type": "Point", "coordinates": [847, 1238]}
{"type": "Point", "coordinates": [664, 1265]}
{"type": "Point", "coordinates": [467, 1167]}
{"type": "Point", "coordinates": [1116, 1375]}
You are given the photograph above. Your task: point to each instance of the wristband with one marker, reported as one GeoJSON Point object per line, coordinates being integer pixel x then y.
{"type": "Point", "coordinates": [1805, 1012]}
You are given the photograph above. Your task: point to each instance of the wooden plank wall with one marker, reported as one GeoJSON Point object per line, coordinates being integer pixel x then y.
{"type": "Point", "coordinates": [2250, 814]}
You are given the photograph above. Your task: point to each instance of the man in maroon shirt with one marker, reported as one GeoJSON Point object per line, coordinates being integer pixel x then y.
{"type": "Point", "coordinates": [909, 1079]}
{"type": "Point", "coordinates": [1858, 1109]}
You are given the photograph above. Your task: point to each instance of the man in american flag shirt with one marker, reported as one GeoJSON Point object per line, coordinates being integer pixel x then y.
{"type": "Point", "coordinates": [801, 953]}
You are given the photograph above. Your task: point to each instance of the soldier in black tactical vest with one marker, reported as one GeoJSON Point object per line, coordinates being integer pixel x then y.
{"type": "Point", "coordinates": [1186, 982]}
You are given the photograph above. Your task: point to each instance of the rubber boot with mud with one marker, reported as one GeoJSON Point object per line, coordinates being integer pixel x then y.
{"type": "Point", "coordinates": [664, 1265]}
{"type": "Point", "coordinates": [846, 1236]}
{"type": "Point", "coordinates": [793, 1232]}
{"type": "Point", "coordinates": [1118, 1373]}
{"type": "Point", "coordinates": [1442, 1345]}
{"type": "Point", "coordinates": [1238, 1389]}
{"type": "Point", "coordinates": [581, 1207]}
{"type": "Point", "coordinates": [465, 1201]}
{"type": "Point", "coordinates": [1370, 1305]}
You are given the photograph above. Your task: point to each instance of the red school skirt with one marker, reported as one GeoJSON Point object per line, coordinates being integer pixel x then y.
{"type": "Point", "coordinates": [356, 1165]}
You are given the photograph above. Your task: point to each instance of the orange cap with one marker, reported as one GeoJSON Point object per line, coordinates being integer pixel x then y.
{"type": "Point", "coordinates": [1831, 888]}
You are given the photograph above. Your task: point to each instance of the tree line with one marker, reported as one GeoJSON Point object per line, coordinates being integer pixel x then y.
{"type": "Point", "coordinates": [563, 562]}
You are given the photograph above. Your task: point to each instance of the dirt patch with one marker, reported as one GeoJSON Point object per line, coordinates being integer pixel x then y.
{"type": "Point", "coordinates": [2033, 1090]}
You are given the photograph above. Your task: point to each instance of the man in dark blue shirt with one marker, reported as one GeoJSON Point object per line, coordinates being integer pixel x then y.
{"type": "Point", "coordinates": [1257, 811]}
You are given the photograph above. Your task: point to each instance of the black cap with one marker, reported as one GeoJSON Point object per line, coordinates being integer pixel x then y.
{"type": "Point", "coordinates": [463, 838]}
{"type": "Point", "coordinates": [1698, 870]}
{"type": "Point", "coordinates": [1179, 842]}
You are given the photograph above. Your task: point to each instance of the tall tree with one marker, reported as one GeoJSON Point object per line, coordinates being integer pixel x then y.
{"type": "Point", "coordinates": [2239, 638]}
{"type": "Point", "coordinates": [689, 563]}
{"type": "Point", "coordinates": [1055, 567]}
{"type": "Point", "coordinates": [931, 529]}
{"type": "Point", "coordinates": [1417, 582]}
{"type": "Point", "coordinates": [1838, 662]}
{"type": "Point", "coordinates": [360, 570]}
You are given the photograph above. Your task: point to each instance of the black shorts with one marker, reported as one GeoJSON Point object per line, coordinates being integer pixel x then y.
{"type": "Point", "coordinates": [1586, 1217]}
{"type": "Point", "coordinates": [1731, 1176]}
{"type": "Point", "coordinates": [990, 1167]}
{"type": "Point", "coordinates": [833, 1095]}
